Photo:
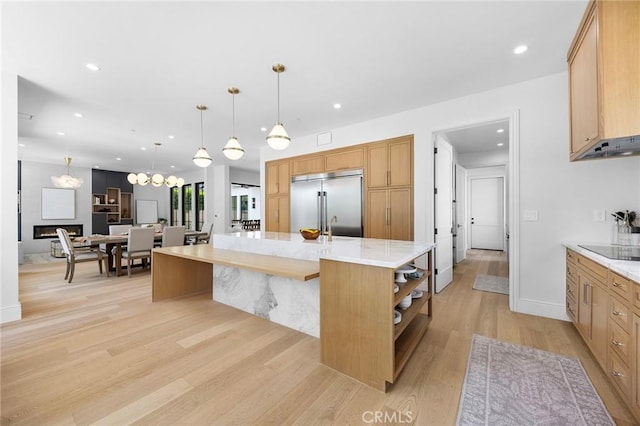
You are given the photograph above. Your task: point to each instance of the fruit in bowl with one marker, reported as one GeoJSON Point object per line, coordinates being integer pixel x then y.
{"type": "Point", "coordinates": [309, 233]}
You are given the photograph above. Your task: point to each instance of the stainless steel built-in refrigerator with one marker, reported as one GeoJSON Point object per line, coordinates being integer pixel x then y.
{"type": "Point", "coordinates": [315, 199]}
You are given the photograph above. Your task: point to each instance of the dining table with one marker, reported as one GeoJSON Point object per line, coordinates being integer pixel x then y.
{"type": "Point", "coordinates": [114, 243]}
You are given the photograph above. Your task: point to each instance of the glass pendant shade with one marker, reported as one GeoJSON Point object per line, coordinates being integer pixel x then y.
{"type": "Point", "coordinates": [67, 181]}
{"type": "Point", "coordinates": [232, 150]}
{"type": "Point", "coordinates": [157, 180]}
{"type": "Point", "coordinates": [278, 138]}
{"type": "Point", "coordinates": [132, 178]}
{"type": "Point", "coordinates": [202, 158]}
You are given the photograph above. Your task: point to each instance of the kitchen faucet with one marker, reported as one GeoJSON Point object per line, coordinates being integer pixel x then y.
{"type": "Point", "coordinates": [330, 235]}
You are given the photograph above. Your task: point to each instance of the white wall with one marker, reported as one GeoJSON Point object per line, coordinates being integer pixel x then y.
{"type": "Point", "coordinates": [10, 307]}
{"type": "Point", "coordinates": [36, 176]}
{"type": "Point", "coordinates": [565, 194]}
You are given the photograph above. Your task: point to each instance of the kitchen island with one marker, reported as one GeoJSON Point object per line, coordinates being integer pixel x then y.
{"type": "Point", "coordinates": [350, 306]}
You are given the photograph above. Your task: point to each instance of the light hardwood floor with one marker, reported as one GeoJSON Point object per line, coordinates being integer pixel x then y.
{"type": "Point", "coordinates": [97, 351]}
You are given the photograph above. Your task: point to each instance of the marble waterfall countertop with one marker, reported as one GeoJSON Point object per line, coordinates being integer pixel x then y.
{"type": "Point", "coordinates": [366, 251]}
{"type": "Point", "coordinates": [627, 268]}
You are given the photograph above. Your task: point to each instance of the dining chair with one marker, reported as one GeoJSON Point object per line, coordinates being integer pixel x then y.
{"type": "Point", "coordinates": [139, 246]}
{"type": "Point", "coordinates": [204, 239]}
{"type": "Point", "coordinates": [173, 236]}
{"type": "Point", "coordinates": [79, 254]}
{"type": "Point", "coordinates": [119, 229]}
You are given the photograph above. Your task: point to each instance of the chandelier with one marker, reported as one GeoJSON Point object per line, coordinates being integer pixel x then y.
{"type": "Point", "coordinates": [67, 181]}
{"type": "Point", "coordinates": [233, 150]}
{"type": "Point", "coordinates": [202, 157]}
{"type": "Point", "coordinates": [156, 179]}
{"type": "Point", "coordinates": [278, 137]}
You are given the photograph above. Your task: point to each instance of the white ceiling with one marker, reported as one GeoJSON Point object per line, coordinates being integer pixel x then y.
{"type": "Point", "coordinates": [159, 60]}
{"type": "Point", "coordinates": [480, 138]}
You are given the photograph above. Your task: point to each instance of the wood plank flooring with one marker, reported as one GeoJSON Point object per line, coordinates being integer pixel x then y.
{"type": "Point", "coordinates": [97, 351]}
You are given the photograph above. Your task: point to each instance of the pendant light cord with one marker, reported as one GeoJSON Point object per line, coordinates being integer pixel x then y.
{"type": "Point", "coordinates": [201, 131]}
{"type": "Point", "coordinates": [278, 98]}
{"type": "Point", "coordinates": [233, 115]}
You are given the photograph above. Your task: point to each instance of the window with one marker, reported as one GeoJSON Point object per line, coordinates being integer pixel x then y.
{"type": "Point", "coordinates": [199, 205]}
{"type": "Point", "coordinates": [174, 196]}
{"type": "Point", "coordinates": [187, 206]}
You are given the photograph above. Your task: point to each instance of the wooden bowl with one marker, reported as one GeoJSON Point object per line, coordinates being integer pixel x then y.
{"type": "Point", "coordinates": [310, 234]}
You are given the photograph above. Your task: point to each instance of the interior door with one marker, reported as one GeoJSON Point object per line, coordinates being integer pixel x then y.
{"type": "Point", "coordinates": [460, 229]}
{"type": "Point", "coordinates": [443, 161]}
{"type": "Point", "coordinates": [487, 213]}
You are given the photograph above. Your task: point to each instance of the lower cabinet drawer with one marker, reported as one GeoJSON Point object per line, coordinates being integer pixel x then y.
{"type": "Point", "coordinates": [619, 373]}
{"type": "Point", "coordinates": [571, 307]}
{"type": "Point", "coordinates": [572, 288]}
{"type": "Point", "coordinates": [620, 313]}
{"type": "Point", "coordinates": [620, 342]}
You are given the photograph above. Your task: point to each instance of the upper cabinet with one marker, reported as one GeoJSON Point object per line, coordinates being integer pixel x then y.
{"type": "Point", "coordinates": [278, 177]}
{"type": "Point", "coordinates": [390, 163]}
{"type": "Point", "coordinates": [604, 81]}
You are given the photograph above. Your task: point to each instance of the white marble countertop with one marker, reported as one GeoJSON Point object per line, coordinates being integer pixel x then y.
{"type": "Point", "coordinates": [627, 268]}
{"type": "Point", "coordinates": [366, 251]}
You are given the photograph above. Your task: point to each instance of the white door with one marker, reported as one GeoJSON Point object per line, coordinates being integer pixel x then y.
{"type": "Point", "coordinates": [487, 213]}
{"type": "Point", "coordinates": [460, 230]}
{"type": "Point", "coordinates": [443, 161]}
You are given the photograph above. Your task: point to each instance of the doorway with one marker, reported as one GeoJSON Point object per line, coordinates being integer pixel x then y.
{"type": "Point", "coordinates": [483, 161]}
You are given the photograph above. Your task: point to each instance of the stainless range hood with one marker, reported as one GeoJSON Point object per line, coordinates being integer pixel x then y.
{"type": "Point", "coordinates": [618, 147]}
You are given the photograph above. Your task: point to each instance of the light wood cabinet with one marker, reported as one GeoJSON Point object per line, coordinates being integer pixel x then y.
{"type": "Point", "coordinates": [108, 204]}
{"type": "Point", "coordinates": [390, 163]}
{"type": "Point", "coordinates": [277, 214]}
{"type": "Point", "coordinates": [613, 333]}
{"type": "Point", "coordinates": [278, 177]}
{"type": "Point", "coordinates": [344, 160]}
{"type": "Point", "coordinates": [307, 164]}
{"type": "Point", "coordinates": [357, 333]}
{"type": "Point", "coordinates": [389, 214]}
{"type": "Point", "coordinates": [604, 75]}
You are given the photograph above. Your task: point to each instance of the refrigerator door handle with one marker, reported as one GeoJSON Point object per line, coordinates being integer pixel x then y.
{"type": "Point", "coordinates": [318, 215]}
{"type": "Point", "coordinates": [325, 217]}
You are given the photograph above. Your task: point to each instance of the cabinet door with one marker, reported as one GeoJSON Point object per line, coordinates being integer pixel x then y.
{"type": "Point", "coordinates": [272, 179]}
{"type": "Point", "coordinates": [599, 323]}
{"type": "Point", "coordinates": [378, 166]}
{"type": "Point", "coordinates": [583, 76]}
{"type": "Point", "coordinates": [277, 214]}
{"type": "Point", "coordinates": [284, 178]}
{"type": "Point", "coordinates": [584, 306]}
{"type": "Point", "coordinates": [377, 214]}
{"type": "Point", "coordinates": [307, 164]}
{"type": "Point", "coordinates": [278, 177]}
{"type": "Point", "coordinates": [635, 339]}
{"type": "Point", "coordinates": [400, 214]}
{"type": "Point", "coordinates": [344, 160]}
{"type": "Point", "coordinates": [400, 163]}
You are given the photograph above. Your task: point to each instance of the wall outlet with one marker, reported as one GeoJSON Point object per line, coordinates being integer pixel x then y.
{"type": "Point", "coordinates": [599, 215]}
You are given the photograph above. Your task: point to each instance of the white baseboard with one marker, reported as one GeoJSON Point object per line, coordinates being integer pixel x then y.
{"type": "Point", "coordinates": [10, 313]}
{"type": "Point", "coordinates": [542, 309]}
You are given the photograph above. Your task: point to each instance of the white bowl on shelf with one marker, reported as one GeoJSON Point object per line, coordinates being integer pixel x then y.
{"type": "Point", "coordinates": [406, 302]}
{"type": "Point", "coordinates": [397, 316]}
{"type": "Point", "coordinates": [416, 294]}
{"type": "Point", "coordinates": [396, 288]}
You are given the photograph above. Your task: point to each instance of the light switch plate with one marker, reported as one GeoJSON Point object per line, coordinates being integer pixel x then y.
{"type": "Point", "coordinates": [599, 215]}
{"type": "Point", "coordinates": [531, 215]}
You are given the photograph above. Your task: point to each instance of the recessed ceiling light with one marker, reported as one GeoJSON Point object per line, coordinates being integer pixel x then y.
{"type": "Point", "coordinates": [263, 129]}
{"type": "Point", "coordinates": [627, 153]}
{"type": "Point", "coordinates": [77, 114]}
{"type": "Point", "coordinates": [21, 144]}
{"type": "Point", "coordinates": [337, 106]}
{"type": "Point", "coordinates": [93, 67]}
{"type": "Point", "coordinates": [500, 144]}
{"type": "Point", "coordinates": [118, 158]}
{"type": "Point", "coordinates": [499, 130]}
{"type": "Point", "coordinates": [520, 49]}
{"type": "Point", "coordinates": [173, 167]}
{"type": "Point", "coordinates": [96, 167]}
{"type": "Point", "coordinates": [60, 133]}
{"type": "Point", "coordinates": [171, 137]}
{"type": "Point", "coordinates": [143, 148]}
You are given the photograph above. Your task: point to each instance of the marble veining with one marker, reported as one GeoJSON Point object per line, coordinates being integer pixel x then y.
{"type": "Point", "coordinates": [292, 303]}
{"type": "Point", "coordinates": [367, 251]}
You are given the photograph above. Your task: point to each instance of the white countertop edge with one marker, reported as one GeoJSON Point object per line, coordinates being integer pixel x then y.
{"type": "Point", "coordinates": [395, 263]}
{"type": "Point", "coordinates": [627, 268]}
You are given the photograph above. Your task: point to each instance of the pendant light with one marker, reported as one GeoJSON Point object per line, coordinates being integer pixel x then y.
{"type": "Point", "coordinates": [67, 181]}
{"type": "Point", "coordinates": [233, 150]}
{"type": "Point", "coordinates": [278, 138]}
{"type": "Point", "coordinates": [156, 179]}
{"type": "Point", "coordinates": [202, 158]}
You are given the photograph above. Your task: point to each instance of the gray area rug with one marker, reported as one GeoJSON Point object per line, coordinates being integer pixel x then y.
{"type": "Point", "coordinates": [491, 283]}
{"type": "Point", "coordinates": [509, 384]}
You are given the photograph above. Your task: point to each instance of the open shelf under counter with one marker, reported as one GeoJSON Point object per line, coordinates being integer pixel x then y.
{"type": "Point", "coordinates": [406, 288]}
{"type": "Point", "coordinates": [408, 341]}
{"type": "Point", "coordinates": [409, 314]}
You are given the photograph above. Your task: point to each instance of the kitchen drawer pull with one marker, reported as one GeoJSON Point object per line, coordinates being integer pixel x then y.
{"type": "Point", "coordinates": [615, 284]}
{"type": "Point", "coordinates": [614, 342]}
{"type": "Point", "coordinates": [587, 139]}
{"type": "Point", "coordinates": [615, 373]}
{"type": "Point", "coordinates": [617, 313]}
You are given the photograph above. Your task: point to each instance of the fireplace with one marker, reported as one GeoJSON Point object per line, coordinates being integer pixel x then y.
{"type": "Point", "coordinates": [42, 232]}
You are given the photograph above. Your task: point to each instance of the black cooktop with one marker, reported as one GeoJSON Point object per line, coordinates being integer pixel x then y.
{"type": "Point", "coordinates": [616, 252]}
